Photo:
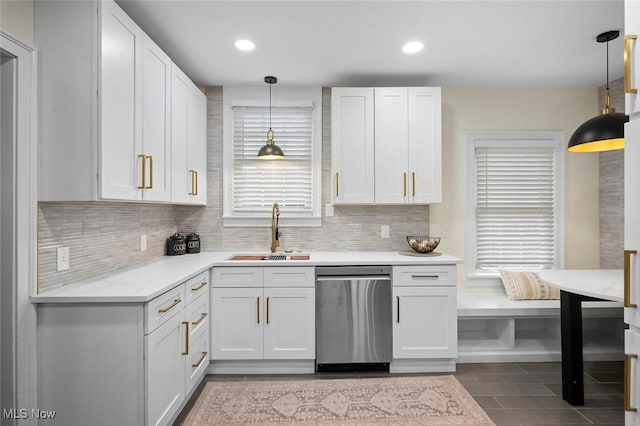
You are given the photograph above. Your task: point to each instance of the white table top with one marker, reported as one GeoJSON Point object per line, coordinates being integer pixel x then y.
{"type": "Point", "coordinates": [601, 283]}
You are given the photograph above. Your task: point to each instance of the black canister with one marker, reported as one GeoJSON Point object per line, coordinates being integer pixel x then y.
{"type": "Point", "coordinates": [176, 245]}
{"type": "Point", "coordinates": [193, 243]}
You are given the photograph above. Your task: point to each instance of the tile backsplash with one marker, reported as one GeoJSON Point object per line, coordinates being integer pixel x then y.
{"type": "Point", "coordinates": [104, 236]}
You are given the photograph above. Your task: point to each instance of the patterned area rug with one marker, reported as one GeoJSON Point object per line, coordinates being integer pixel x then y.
{"type": "Point", "coordinates": [406, 400]}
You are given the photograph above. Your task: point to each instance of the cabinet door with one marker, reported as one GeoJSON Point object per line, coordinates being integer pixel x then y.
{"type": "Point", "coordinates": [156, 121]}
{"type": "Point", "coordinates": [236, 324]}
{"type": "Point", "coordinates": [181, 178]}
{"type": "Point", "coordinates": [196, 362]}
{"type": "Point", "coordinates": [289, 330]}
{"type": "Point", "coordinates": [631, 210]}
{"type": "Point", "coordinates": [165, 370]}
{"type": "Point", "coordinates": [120, 97]}
{"type": "Point", "coordinates": [632, 376]}
{"type": "Point", "coordinates": [425, 322]}
{"type": "Point", "coordinates": [425, 146]}
{"type": "Point", "coordinates": [632, 55]}
{"type": "Point", "coordinates": [391, 149]}
{"type": "Point", "coordinates": [197, 145]}
{"type": "Point", "coordinates": [352, 145]}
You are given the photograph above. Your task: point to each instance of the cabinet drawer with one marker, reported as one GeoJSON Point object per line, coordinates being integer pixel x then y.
{"type": "Point", "coordinates": [197, 286]}
{"type": "Point", "coordinates": [197, 361]}
{"type": "Point", "coordinates": [164, 307]}
{"type": "Point", "coordinates": [236, 277]}
{"type": "Point", "coordinates": [198, 316]}
{"type": "Point", "coordinates": [289, 276]}
{"type": "Point", "coordinates": [424, 275]}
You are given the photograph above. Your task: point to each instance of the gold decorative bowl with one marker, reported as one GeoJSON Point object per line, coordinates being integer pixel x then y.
{"type": "Point", "coordinates": [424, 244]}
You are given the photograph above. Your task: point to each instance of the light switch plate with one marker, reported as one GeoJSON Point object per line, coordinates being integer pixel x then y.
{"type": "Point", "coordinates": [384, 231]}
{"type": "Point", "coordinates": [328, 210]}
{"type": "Point", "coordinates": [63, 258]}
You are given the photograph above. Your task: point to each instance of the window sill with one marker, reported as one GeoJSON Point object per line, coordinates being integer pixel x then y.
{"type": "Point", "coordinates": [289, 222]}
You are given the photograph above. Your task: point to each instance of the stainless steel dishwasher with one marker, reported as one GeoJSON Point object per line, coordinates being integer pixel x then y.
{"type": "Point", "coordinates": [353, 318]}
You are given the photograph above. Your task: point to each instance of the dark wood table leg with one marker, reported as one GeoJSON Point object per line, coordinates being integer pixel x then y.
{"type": "Point", "coordinates": [571, 336]}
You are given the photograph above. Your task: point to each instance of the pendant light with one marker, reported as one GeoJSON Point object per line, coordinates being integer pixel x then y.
{"type": "Point", "coordinates": [606, 131]}
{"type": "Point", "coordinates": [270, 151]}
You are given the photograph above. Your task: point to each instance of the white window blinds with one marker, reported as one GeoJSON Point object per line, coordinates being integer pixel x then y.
{"type": "Point", "coordinates": [515, 200]}
{"type": "Point", "coordinates": [257, 184]}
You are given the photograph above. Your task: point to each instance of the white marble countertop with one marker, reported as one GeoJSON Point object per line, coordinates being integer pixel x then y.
{"type": "Point", "coordinates": [600, 283]}
{"type": "Point", "coordinates": [141, 283]}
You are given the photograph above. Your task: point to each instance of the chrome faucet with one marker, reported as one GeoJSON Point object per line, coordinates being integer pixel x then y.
{"type": "Point", "coordinates": [275, 233]}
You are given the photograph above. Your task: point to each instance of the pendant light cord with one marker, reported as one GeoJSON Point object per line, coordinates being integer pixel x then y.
{"type": "Point", "coordinates": [272, 85]}
{"type": "Point", "coordinates": [607, 70]}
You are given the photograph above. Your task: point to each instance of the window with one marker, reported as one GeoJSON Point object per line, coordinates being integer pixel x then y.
{"type": "Point", "coordinates": [253, 185]}
{"type": "Point", "coordinates": [514, 202]}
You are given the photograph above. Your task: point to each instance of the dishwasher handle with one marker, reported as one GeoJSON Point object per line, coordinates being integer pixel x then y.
{"type": "Point", "coordinates": [353, 277]}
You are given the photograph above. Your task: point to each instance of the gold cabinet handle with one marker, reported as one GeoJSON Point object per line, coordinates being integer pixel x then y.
{"type": "Point", "coordinates": [337, 184]}
{"type": "Point", "coordinates": [175, 303]}
{"type": "Point", "coordinates": [627, 278]}
{"type": "Point", "coordinates": [199, 361]}
{"type": "Point", "coordinates": [144, 170]}
{"type": "Point", "coordinates": [150, 157]}
{"type": "Point", "coordinates": [186, 337]}
{"type": "Point", "coordinates": [627, 382]}
{"type": "Point", "coordinates": [413, 183]}
{"type": "Point", "coordinates": [627, 64]}
{"type": "Point", "coordinates": [192, 191]}
{"type": "Point", "coordinates": [200, 287]}
{"type": "Point", "coordinates": [196, 179]}
{"type": "Point", "coordinates": [267, 310]}
{"type": "Point", "coordinates": [258, 309]}
{"type": "Point", "coordinates": [202, 317]}
{"type": "Point", "coordinates": [404, 181]}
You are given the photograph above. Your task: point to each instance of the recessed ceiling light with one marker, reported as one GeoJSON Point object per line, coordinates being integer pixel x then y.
{"type": "Point", "coordinates": [413, 47]}
{"type": "Point", "coordinates": [245, 45]}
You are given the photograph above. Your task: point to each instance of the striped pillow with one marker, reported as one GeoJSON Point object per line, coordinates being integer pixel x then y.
{"type": "Point", "coordinates": [526, 285]}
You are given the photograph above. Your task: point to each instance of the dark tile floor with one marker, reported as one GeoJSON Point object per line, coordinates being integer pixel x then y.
{"type": "Point", "coordinates": [513, 393]}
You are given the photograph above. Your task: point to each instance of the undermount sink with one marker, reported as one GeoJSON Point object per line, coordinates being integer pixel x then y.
{"type": "Point", "coordinates": [270, 256]}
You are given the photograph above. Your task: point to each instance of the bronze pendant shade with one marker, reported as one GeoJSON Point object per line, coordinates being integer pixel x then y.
{"type": "Point", "coordinates": [270, 151]}
{"type": "Point", "coordinates": [606, 131]}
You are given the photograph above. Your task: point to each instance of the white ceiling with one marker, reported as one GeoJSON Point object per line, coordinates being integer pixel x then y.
{"type": "Point", "coordinates": [354, 43]}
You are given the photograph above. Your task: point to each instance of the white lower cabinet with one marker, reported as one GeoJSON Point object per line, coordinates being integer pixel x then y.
{"type": "Point", "coordinates": [123, 363]}
{"type": "Point", "coordinates": [263, 313]}
{"type": "Point", "coordinates": [425, 323]}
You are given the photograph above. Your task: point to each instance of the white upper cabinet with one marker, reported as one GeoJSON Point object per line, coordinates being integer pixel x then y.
{"type": "Point", "coordinates": [105, 106]}
{"type": "Point", "coordinates": [189, 140]}
{"type": "Point", "coordinates": [392, 156]}
{"type": "Point", "coordinates": [352, 145]}
{"type": "Point", "coordinates": [632, 56]}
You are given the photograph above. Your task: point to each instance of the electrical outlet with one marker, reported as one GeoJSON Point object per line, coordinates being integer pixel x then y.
{"type": "Point", "coordinates": [328, 210]}
{"type": "Point", "coordinates": [384, 231]}
{"type": "Point", "coordinates": [63, 258]}
{"type": "Point", "coordinates": [143, 242]}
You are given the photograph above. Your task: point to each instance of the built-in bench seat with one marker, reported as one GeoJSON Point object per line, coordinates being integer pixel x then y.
{"type": "Point", "coordinates": [492, 328]}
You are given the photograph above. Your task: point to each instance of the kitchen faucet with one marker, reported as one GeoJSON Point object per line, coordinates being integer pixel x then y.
{"type": "Point", "coordinates": [275, 234]}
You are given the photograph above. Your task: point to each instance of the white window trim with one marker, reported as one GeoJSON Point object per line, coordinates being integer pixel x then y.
{"type": "Point", "coordinates": [280, 96]}
{"type": "Point", "coordinates": [555, 140]}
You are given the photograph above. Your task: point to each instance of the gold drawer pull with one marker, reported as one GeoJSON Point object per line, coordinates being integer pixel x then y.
{"type": "Point", "coordinates": [150, 157]}
{"type": "Point", "coordinates": [170, 307]}
{"type": "Point", "coordinates": [627, 382]}
{"type": "Point", "coordinates": [144, 171]}
{"type": "Point", "coordinates": [627, 278]}
{"type": "Point", "coordinates": [192, 191]}
{"type": "Point", "coordinates": [196, 173]}
{"type": "Point", "coordinates": [202, 357]}
{"type": "Point", "coordinates": [202, 317]}
{"type": "Point", "coordinates": [203, 284]}
{"type": "Point", "coordinates": [337, 184]}
{"type": "Point", "coordinates": [186, 337]}
{"type": "Point", "coordinates": [627, 64]}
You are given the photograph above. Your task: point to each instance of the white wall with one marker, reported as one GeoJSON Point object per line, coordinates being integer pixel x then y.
{"type": "Point", "coordinates": [17, 19]}
{"type": "Point", "coordinates": [465, 109]}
